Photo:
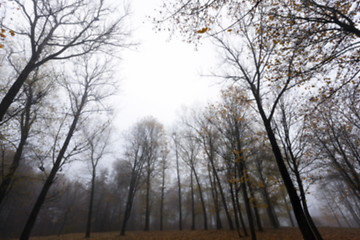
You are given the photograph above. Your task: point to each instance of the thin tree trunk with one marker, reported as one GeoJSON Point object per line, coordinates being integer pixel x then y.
{"type": "Point", "coordinates": [25, 128]}
{"type": "Point", "coordinates": [237, 224]}
{"type": "Point", "coordinates": [201, 198]}
{"type": "Point", "coordinates": [162, 199]}
{"type": "Point", "coordinates": [288, 210]}
{"type": "Point", "coordinates": [192, 201]}
{"type": "Point", "coordinates": [88, 225]}
{"type": "Point", "coordinates": [15, 88]}
{"type": "Point", "coordinates": [215, 197]}
{"type": "Point", "coordinates": [41, 198]}
{"type": "Point", "coordinates": [129, 203]}
{"type": "Point", "coordinates": [240, 212]}
{"type": "Point", "coordinates": [254, 203]}
{"type": "Point", "coordinates": [179, 186]}
{"type": "Point", "coordinates": [147, 208]}
{"type": "Point", "coordinates": [304, 226]}
{"type": "Point", "coordinates": [269, 209]}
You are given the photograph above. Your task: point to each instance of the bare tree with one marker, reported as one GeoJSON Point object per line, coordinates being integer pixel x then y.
{"type": "Point", "coordinates": [142, 150]}
{"type": "Point", "coordinates": [175, 139]}
{"type": "Point", "coordinates": [98, 142]}
{"type": "Point", "coordinates": [34, 91]}
{"type": "Point", "coordinates": [58, 30]}
{"type": "Point", "coordinates": [83, 93]}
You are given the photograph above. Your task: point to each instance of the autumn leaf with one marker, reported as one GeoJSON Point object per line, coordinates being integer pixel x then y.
{"type": "Point", "coordinates": [203, 30]}
{"type": "Point", "coordinates": [1, 46]}
{"type": "Point", "coordinates": [12, 33]}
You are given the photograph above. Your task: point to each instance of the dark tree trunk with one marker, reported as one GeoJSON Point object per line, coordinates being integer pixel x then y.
{"type": "Point", "coordinates": [222, 195]}
{"type": "Point", "coordinates": [25, 128]}
{"type": "Point", "coordinates": [179, 186]}
{"type": "Point", "coordinates": [304, 226]}
{"type": "Point", "coordinates": [15, 88]}
{"type": "Point", "coordinates": [269, 209]}
{"type": "Point", "coordinates": [248, 209]}
{"type": "Point", "coordinates": [89, 218]}
{"type": "Point", "coordinates": [129, 202]}
{"type": "Point", "coordinates": [215, 197]}
{"type": "Point", "coordinates": [236, 211]}
{"type": "Point", "coordinates": [162, 199]}
{"type": "Point", "coordinates": [41, 198]}
{"type": "Point", "coordinates": [192, 201]}
{"type": "Point", "coordinates": [147, 207]}
{"type": "Point", "coordinates": [254, 204]}
{"type": "Point", "coordinates": [240, 212]}
{"type": "Point", "coordinates": [201, 198]}
{"type": "Point", "coordinates": [288, 210]}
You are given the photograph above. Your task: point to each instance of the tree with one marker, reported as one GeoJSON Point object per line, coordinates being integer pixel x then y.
{"type": "Point", "coordinates": [163, 167]}
{"type": "Point", "coordinates": [189, 150]}
{"type": "Point", "coordinates": [323, 35]}
{"type": "Point", "coordinates": [89, 75]}
{"type": "Point", "coordinates": [33, 93]}
{"type": "Point", "coordinates": [143, 145]}
{"type": "Point", "coordinates": [98, 142]}
{"type": "Point", "coordinates": [57, 30]}
{"type": "Point", "coordinates": [174, 136]}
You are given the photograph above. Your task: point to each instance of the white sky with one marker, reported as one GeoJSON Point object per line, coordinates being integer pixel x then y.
{"type": "Point", "coordinates": [161, 75]}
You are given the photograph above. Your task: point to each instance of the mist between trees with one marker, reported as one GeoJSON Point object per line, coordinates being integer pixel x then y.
{"type": "Point", "coordinates": [284, 131]}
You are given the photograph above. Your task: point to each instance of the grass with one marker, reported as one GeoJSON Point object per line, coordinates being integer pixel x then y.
{"type": "Point", "coordinates": [269, 234]}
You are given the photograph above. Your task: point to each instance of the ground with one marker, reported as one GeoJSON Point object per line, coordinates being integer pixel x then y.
{"type": "Point", "coordinates": [269, 234]}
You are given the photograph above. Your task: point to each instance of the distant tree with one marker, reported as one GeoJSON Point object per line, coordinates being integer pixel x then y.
{"type": "Point", "coordinates": [97, 141]}
{"type": "Point", "coordinates": [189, 150]}
{"type": "Point", "coordinates": [175, 139]}
{"type": "Point", "coordinates": [56, 30]}
{"type": "Point", "coordinates": [163, 166]}
{"type": "Point", "coordinates": [142, 148]}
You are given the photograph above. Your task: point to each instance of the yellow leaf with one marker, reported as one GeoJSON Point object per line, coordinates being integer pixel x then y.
{"type": "Point", "coordinates": [1, 46]}
{"type": "Point", "coordinates": [202, 30]}
{"type": "Point", "coordinates": [229, 30]}
{"type": "Point", "coordinates": [12, 33]}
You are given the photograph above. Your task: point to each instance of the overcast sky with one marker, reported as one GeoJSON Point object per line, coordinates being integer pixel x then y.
{"type": "Point", "coordinates": [161, 75]}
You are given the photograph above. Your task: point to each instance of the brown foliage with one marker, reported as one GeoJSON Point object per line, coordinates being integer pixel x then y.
{"type": "Point", "coordinates": [269, 234]}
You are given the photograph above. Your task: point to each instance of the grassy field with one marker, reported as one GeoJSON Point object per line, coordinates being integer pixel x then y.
{"type": "Point", "coordinates": [270, 234]}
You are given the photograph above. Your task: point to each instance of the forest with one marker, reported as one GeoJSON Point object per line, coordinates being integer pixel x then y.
{"type": "Point", "coordinates": [278, 149]}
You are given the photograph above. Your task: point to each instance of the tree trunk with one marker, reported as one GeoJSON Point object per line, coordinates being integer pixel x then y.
{"type": "Point", "coordinates": [210, 155]}
{"type": "Point", "coordinates": [162, 199]}
{"type": "Point", "coordinates": [25, 128]}
{"type": "Point", "coordinates": [254, 203]}
{"type": "Point", "coordinates": [240, 213]}
{"type": "Point", "coordinates": [304, 226]}
{"type": "Point", "coordinates": [41, 198]}
{"type": "Point", "coordinates": [215, 197]}
{"type": "Point", "coordinates": [201, 198]}
{"type": "Point", "coordinates": [269, 209]}
{"type": "Point", "coordinates": [129, 203]}
{"type": "Point", "coordinates": [15, 88]}
{"type": "Point", "coordinates": [236, 212]}
{"type": "Point", "coordinates": [179, 186]}
{"type": "Point", "coordinates": [192, 201]}
{"type": "Point", "coordinates": [147, 207]}
{"type": "Point", "coordinates": [288, 210]}
{"type": "Point", "coordinates": [88, 225]}
{"type": "Point", "coordinates": [248, 209]}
